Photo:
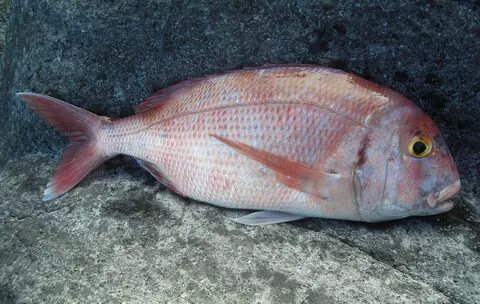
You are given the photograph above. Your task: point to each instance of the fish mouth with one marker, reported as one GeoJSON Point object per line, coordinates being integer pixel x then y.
{"type": "Point", "coordinates": [438, 200]}
{"type": "Point", "coordinates": [444, 207]}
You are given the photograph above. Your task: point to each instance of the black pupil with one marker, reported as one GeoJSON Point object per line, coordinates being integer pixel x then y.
{"type": "Point", "coordinates": [419, 147]}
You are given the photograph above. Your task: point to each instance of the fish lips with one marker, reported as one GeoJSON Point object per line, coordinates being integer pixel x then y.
{"type": "Point", "coordinates": [439, 200]}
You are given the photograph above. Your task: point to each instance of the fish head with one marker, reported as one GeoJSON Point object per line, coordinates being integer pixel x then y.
{"type": "Point", "coordinates": [408, 169]}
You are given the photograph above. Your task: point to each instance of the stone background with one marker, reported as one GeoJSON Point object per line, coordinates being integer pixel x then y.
{"type": "Point", "coordinates": [119, 236]}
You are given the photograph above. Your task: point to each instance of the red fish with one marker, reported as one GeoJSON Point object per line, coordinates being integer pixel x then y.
{"type": "Point", "coordinates": [292, 141]}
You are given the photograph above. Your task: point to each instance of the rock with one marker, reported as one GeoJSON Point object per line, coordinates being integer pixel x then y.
{"type": "Point", "coordinates": [119, 236]}
{"type": "Point", "coordinates": [4, 7]}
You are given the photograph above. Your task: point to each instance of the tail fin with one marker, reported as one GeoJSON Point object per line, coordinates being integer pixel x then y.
{"type": "Point", "coordinates": [81, 127]}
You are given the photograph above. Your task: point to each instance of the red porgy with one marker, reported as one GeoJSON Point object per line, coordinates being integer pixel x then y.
{"type": "Point", "coordinates": [291, 141]}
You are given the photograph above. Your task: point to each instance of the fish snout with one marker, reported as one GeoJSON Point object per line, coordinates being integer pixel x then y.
{"type": "Point", "coordinates": [438, 200]}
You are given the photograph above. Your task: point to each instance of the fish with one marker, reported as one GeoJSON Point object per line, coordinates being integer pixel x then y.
{"type": "Point", "coordinates": [286, 141]}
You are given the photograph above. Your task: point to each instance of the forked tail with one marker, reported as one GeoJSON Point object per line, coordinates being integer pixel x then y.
{"type": "Point", "coordinates": [83, 154]}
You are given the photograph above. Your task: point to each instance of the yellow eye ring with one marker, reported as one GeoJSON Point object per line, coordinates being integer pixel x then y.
{"type": "Point", "coordinates": [420, 146]}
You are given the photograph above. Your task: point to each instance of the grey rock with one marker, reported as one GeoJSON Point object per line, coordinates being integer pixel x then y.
{"type": "Point", "coordinates": [4, 9]}
{"type": "Point", "coordinates": [119, 236]}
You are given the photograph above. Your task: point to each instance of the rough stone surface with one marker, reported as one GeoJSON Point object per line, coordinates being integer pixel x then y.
{"type": "Point", "coordinates": [4, 8]}
{"type": "Point", "coordinates": [119, 236]}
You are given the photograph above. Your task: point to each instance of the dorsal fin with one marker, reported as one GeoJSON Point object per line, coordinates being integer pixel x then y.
{"type": "Point", "coordinates": [267, 66]}
{"type": "Point", "coordinates": [161, 97]}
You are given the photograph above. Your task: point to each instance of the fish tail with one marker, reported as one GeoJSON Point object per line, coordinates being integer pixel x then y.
{"type": "Point", "coordinates": [83, 154]}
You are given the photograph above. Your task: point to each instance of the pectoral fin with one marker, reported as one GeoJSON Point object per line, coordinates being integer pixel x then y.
{"type": "Point", "coordinates": [268, 217]}
{"type": "Point", "coordinates": [290, 173]}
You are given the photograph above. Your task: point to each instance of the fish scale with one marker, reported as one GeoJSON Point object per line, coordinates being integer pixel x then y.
{"type": "Point", "coordinates": [242, 180]}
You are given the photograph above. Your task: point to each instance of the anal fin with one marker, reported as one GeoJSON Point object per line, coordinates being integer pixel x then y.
{"type": "Point", "coordinates": [268, 217]}
{"type": "Point", "coordinates": [154, 170]}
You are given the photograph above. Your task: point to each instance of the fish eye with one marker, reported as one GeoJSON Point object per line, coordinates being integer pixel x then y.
{"type": "Point", "coordinates": [420, 146]}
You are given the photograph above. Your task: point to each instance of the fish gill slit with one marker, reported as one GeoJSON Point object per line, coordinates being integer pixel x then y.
{"type": "Point", "coordinates": [360, 161]}
{"type": "Point", "coordinates": [385, 180]}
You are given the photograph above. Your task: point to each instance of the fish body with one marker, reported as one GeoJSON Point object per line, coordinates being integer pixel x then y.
{"type": "Point", "coordinates": [295, 141]}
